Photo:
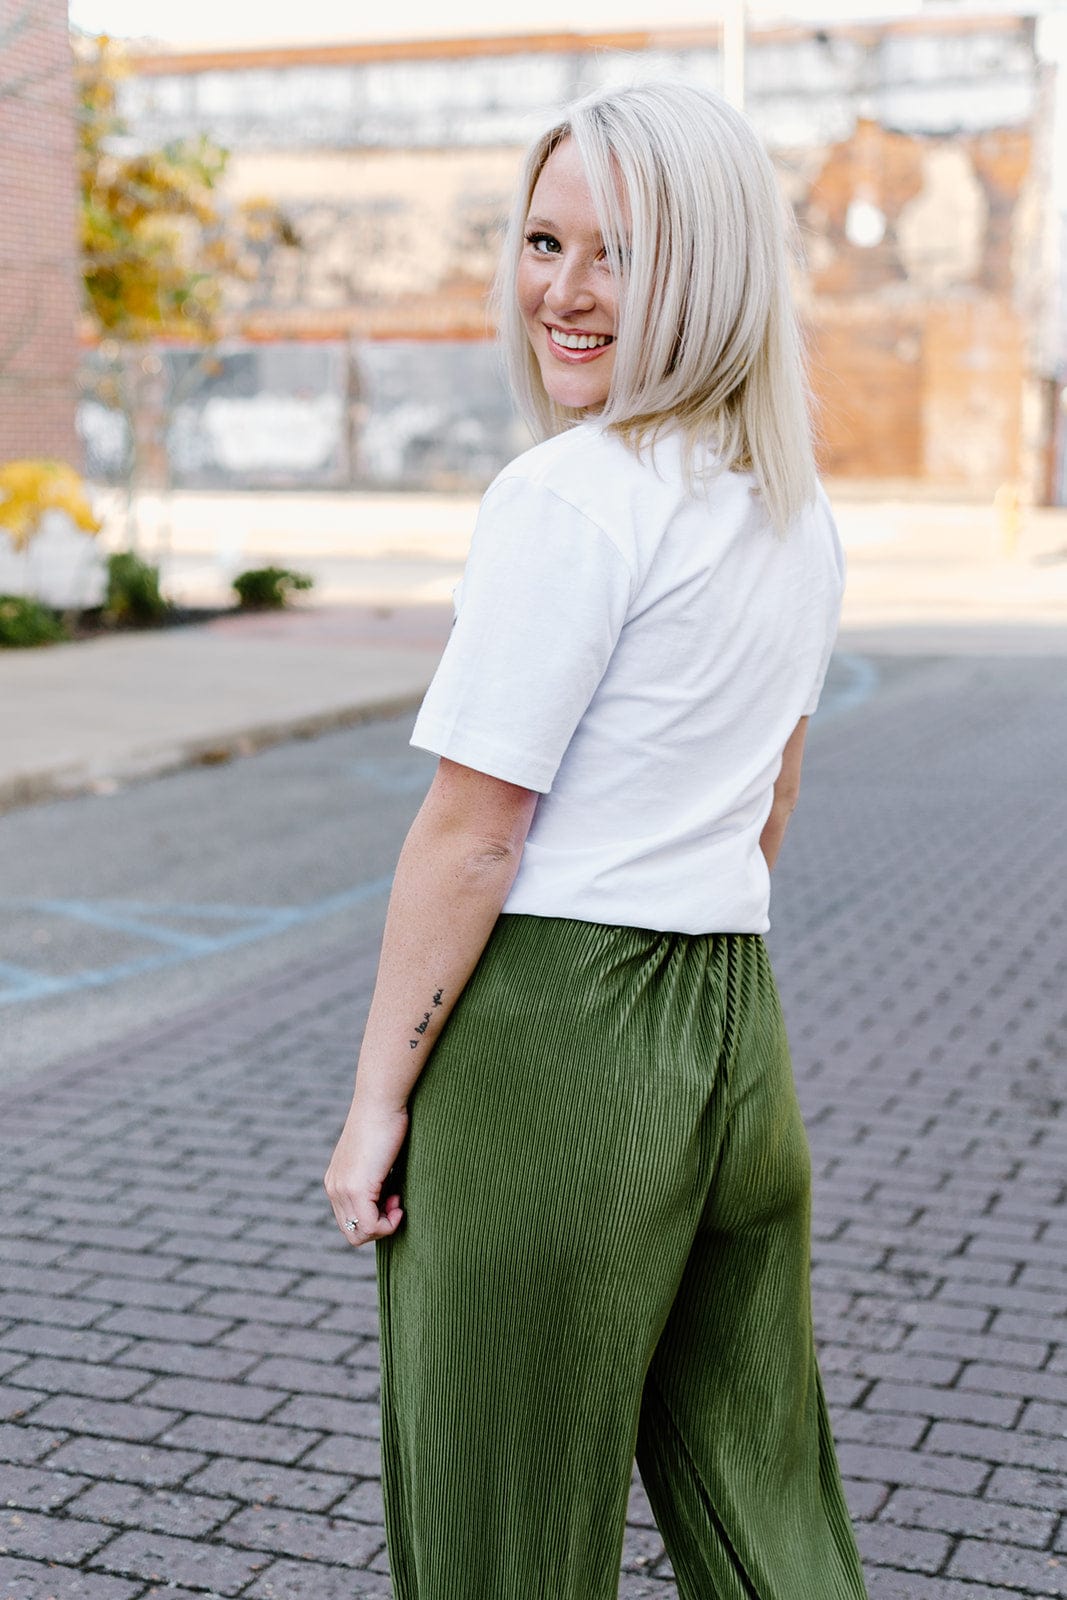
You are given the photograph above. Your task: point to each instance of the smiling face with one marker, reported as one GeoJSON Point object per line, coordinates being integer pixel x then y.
{"type": "Point", "coordinates": [565, 289]}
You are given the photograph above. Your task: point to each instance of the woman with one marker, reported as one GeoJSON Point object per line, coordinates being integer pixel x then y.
{"type": "Point", "coordinates": [591, 1202]}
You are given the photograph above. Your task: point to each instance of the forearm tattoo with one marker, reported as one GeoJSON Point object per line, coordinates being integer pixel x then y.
{"type": "Point", "coordinates": [420, 1027]}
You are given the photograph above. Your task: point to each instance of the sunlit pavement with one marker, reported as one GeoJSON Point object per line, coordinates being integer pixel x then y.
{"type": "Point", "coordinates": [85, 716]}
{"type": "Point", "coordinates": [911, 560]}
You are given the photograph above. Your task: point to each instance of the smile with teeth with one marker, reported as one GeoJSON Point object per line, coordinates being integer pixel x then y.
{"type": "Point", "coordinates": [579, 341]}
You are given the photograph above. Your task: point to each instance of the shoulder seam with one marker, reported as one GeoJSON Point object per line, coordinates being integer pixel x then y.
{"type": "Point", "coordinates": [547, 488]}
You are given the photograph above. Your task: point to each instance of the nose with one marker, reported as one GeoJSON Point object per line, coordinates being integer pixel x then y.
{"type": "Point", "coordinates": [570, 289]}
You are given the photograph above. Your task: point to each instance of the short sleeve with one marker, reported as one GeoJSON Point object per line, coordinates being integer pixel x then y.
{"type": "Point", "coordinates": [544, 596]}
{"type": "Point", "coordinates": [832, 610]}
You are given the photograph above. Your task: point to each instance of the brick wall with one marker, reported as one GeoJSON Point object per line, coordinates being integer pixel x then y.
{"type": "Point", "coordinates": [39, 283]}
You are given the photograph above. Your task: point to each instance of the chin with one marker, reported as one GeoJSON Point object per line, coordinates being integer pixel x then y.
{"type": "Point", "coordinates": [574, 403]}
{"type": "Point", "coordinates": [577, 396]}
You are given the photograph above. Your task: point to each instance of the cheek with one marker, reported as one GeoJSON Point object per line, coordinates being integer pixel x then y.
{"type": "Point", "coordinates": [529, 290]}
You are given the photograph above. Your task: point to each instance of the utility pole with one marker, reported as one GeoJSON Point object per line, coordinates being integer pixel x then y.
{"type": "Point", "coordinates": [733, 52]}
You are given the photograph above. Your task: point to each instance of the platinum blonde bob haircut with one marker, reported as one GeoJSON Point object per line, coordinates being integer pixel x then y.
{"type": "Point", "coordinates": [707, 339]}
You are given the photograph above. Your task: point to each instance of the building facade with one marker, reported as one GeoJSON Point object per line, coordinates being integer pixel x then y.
{"type": "Point", "coordinates": [915, 155]}
{"type": "Point", "coordinates": [39, 263]}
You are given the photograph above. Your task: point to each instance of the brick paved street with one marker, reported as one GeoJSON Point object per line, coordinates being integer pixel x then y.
{"type": "Point", "coordinates": [188, 1360]}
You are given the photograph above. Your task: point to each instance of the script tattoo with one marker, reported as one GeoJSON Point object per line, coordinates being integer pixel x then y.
{"type": "Point", "coordinates": [420, 1027]}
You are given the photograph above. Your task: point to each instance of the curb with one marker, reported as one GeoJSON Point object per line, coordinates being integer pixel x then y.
{"type": "Point", "coordinates": [68, 781]}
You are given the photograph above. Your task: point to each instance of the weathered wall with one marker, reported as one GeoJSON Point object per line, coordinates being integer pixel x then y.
{"type": "Point", "coordinates": [805, 85]}
{"type": "Point", "coordinates": [39, 281]}
{"type": "Point", "coordinates": [919, 340]}
{"type": "Point", "coordinates": [396, 243]}
{"type": "Point", "coordinates": [325, 412]}
{"type": "Point", "coordinates": [906, 150]}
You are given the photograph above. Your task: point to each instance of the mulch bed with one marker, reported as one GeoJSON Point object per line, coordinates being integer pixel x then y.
{"type": "Point", "coordinates": [92, 624]}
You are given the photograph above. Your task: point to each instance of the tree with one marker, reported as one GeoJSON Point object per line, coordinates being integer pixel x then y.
{"type": "Point", "coordinates": [159, 245]}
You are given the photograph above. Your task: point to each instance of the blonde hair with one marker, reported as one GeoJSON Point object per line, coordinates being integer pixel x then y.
{"type": "Point", "coordinates": [707, 338]}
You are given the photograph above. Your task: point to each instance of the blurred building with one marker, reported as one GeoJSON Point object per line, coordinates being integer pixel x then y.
{"type": "Point", "coordinates": [39, 266]}
{"type": "Point", "coordinates": [916, 154]}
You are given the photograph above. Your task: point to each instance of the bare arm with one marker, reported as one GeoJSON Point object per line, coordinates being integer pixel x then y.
{"type": "Point", "coordinates": [786, 793]}
{"type": "Point", "coordinates": [453, 875]}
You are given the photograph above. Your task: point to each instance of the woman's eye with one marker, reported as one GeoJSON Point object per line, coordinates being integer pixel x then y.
{"type": "Point", "coordinates": [537, 239]}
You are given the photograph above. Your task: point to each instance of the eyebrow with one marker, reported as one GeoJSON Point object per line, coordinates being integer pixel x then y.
{"type": "Point", "coordinates": [546, 222]}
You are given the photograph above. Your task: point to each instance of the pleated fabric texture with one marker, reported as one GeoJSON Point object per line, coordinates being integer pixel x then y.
{"type": "Point", "coordinates": [605, 1253]}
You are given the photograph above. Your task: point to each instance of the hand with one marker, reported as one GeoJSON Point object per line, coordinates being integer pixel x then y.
{"type": "Point", "coordinates": [367, 1148]}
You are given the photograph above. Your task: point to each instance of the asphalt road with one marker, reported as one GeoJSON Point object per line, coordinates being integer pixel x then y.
{"type": "Point", "coordinates": [120, 910]}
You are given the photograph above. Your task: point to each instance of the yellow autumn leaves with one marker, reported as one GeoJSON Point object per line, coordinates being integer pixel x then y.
{"type": "Point", "coordinates": [30, 488]}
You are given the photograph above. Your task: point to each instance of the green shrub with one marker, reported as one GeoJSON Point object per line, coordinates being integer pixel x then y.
{"type": "Point", "coordinates": [27, 622]}
{"type": "Point", "coordinates": [269, 587]}
{"type": "Point", "coordinates": [133, 590]}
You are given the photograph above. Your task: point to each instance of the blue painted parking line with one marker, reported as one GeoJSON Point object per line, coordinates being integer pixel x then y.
{"type": "Point", "coordinates": [390, 776]}
{"type": "Point", "coordinates": [146, 920]}
{"type": "Point", "coordinates": [853, 679]}
{"type": "Point", "coordinates": [17, 980]}
{"type": "Point", "coordinates": [860, 680]}
{"type": "Point", "coordinates": [110, 915]}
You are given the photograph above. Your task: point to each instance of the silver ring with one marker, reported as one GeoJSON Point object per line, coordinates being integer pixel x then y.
{"type": "Point", "coordinates": [351, 1224]}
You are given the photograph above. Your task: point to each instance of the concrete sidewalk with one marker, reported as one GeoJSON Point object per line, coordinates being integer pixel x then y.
{"type": "Point", "coordinates": [88, 716]}
{"type": "Point", "coordinates": [924, 577]}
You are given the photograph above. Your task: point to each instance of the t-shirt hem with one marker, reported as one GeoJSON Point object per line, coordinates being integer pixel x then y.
{"type": "Point", "coordinates": [664, 922]}
{"type": "Point", "coordinates": [483, 755]}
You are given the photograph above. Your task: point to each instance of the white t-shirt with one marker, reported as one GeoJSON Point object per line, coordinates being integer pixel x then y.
{"type": "Point", "coordinates": [640, 656]}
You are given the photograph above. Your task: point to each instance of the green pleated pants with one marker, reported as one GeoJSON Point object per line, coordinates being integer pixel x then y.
{"type": "Point", "coordinates": [605, 1252]}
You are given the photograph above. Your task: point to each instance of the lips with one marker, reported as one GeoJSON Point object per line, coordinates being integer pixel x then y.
{"type": "Point", "coordinates": [571, 357]}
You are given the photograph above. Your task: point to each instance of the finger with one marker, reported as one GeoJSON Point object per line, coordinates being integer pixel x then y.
{"type": "Point", "coordinates": [365, 1213]}
{"type": "Point", "coordinates": [386, 1226]}
{"type": "Point", "coordinates": [379, 1226]}
{"type": "Point", "coordinates": [345, 1212]}
{"type": "Point", "coordinates": [375, 1222]}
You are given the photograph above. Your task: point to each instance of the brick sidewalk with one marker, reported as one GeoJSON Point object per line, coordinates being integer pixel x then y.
{"type": "Point", "coordinates": [188, 1361]}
